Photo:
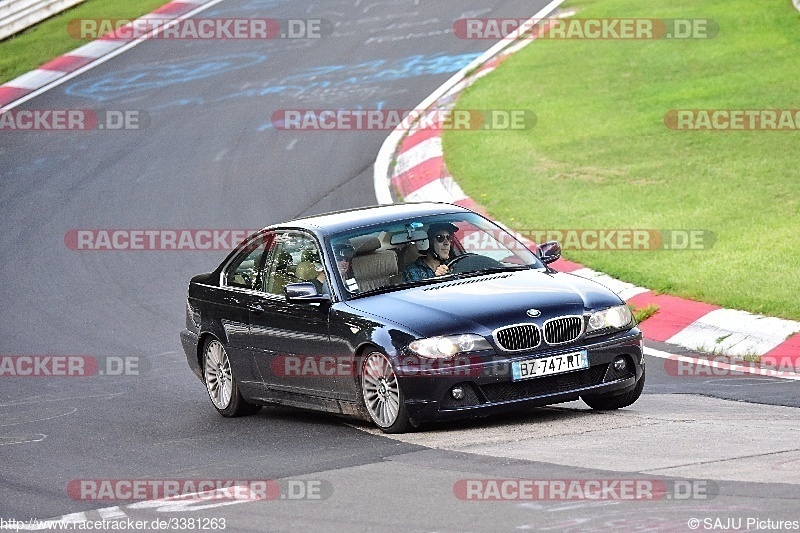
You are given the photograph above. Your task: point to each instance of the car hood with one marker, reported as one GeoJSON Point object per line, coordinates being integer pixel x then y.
{"type": "Point", "coordinates": [482, 304]}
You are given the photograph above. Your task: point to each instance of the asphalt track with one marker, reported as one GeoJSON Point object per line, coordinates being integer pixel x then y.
{"type": "Point", "coordinates": [209, 157]}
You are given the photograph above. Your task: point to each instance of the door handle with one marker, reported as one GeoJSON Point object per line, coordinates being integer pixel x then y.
{"type": "Point", "coordinates": [255, 308]}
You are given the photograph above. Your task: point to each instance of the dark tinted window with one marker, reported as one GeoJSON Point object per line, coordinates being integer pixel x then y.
{"type": "Point", "coordinates": [245, 270]}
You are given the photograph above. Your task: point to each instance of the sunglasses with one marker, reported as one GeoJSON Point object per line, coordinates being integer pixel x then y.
{"type": "Point", "coordinates": [444, 237]}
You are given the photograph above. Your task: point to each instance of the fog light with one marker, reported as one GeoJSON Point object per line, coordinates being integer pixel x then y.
{"type": "Point", "coordinates": [619, 364]}
{"type": "Point", "coordinates": [457, 393]}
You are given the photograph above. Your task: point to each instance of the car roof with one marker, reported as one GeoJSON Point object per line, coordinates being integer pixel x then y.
{"type": "Point", "coordinates": [335, 222]}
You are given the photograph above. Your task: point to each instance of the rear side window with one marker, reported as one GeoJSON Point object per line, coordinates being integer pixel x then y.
{"type": "Point", "coordinates": [294, 257]}
{"type": "Point", "coordinates": [246, 270]}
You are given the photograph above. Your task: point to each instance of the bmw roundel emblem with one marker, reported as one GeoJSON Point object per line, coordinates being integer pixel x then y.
{"type": "Point", "coordinates": [533, 313]}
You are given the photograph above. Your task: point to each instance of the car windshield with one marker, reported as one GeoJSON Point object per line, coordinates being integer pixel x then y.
{"type": "Point", "coordinates": [411, 252]}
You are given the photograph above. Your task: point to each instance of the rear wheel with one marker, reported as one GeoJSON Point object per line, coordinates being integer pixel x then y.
{"type": "Point", "coordinates": [382, 395]}
{"type": "Point", "coordinates": [221, 384]}
{"type": "Point", "coordinates": [609, 403]}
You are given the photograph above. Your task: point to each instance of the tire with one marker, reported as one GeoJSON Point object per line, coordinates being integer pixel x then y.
{"type": "Point", "coordinates": [221, 383]}
{"type": "Point", "coordinates": [382, 395]}
{"type": "Point", "coordinates": [609, 402]}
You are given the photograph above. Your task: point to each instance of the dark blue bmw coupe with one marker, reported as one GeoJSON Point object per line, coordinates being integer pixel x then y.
{"type": "Point", "coordinates": [405, 314]}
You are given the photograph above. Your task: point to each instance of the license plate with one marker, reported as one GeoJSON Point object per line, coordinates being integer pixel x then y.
{"type": "Point", "coordinates": [547, 366]}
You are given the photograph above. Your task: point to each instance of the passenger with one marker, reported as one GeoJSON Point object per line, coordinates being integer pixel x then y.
{"type": "Point", "coordinates": [440, 237]}
{"type": "Point", "coordinates": [320, 282]}
{"type": "Point", "coordinates": [343, 254]}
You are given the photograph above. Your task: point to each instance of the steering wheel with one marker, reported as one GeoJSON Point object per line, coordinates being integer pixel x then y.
{"type": "Point", "coordinates": [471, 261]}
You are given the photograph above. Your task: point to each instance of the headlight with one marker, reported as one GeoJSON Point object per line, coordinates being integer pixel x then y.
{"type": "Point", "coordinates": [611, 318]}
{"type": "Point", "coordinates": [442, 347]}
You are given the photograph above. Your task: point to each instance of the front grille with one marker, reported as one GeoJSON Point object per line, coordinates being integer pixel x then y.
{"type": "Point", "coordinates": [563, 330]}
{"type": "Point", "coordinates": [518, 390]}
{"type": "Point", "coordinates": [517, 338]}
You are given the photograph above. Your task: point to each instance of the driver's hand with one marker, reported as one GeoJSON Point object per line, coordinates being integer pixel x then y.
{"type": "Point", "coordinates": [442, 270]}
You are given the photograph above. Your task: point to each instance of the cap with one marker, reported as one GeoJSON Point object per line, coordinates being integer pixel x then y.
{"type": "Point", "coordinates": [343, 251]}
{"type": "Point", "coordinates": [438, 226]}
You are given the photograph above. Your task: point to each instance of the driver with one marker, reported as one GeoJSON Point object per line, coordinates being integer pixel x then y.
{"type": "Point", "coordinates": [440, 237]}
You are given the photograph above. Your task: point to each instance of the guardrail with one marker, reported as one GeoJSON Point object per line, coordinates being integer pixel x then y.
{"type": "Point", "coordinates": [16, 15]}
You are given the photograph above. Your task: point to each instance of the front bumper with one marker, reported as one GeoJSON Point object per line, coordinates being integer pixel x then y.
{"type": "Point", "coordinates": [488, 387]}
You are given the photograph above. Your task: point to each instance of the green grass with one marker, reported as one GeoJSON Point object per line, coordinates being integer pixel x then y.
{"type": "Point", "coordinates": [643, 313]}
{"type": "Point", "coordinates": [49, 39]}
{"type": "Point", "coordinates": [600, 155]}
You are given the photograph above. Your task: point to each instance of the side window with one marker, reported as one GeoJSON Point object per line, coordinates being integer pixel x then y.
{"type": "Point", "coordinates": [245, 270]}
{"type": "Point", "coordinates": [295, 257]}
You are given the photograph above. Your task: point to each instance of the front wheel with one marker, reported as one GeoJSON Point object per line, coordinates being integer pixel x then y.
{"type": "Point", "coordinates": [382, 395]}
{"type": "Point", "coordinates": [609, 403]}
{"type": "Point", "coordinates": [221, 384]}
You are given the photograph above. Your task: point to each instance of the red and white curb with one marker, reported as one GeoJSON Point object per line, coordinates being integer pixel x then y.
{"type": "Point", "coordinates": [419, 173]}
{"type": "Point", "coordinates": [67, 66]}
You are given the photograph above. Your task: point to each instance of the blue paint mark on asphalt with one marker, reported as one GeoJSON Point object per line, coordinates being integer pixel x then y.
{"type": "Point", "coordinates": [38, 167]}
{"type": "Point", "coordinates": [147, 77]}
{"type": "Point", "coordinates": [321, 82]}
{"type": "Point", "coordinates": [317, 82]}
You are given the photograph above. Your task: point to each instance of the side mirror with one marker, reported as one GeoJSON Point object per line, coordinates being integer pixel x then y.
{"type": "Point", "coordinates": [304, 293]}
{"type": "Point", "coordinates": [548, 252]}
